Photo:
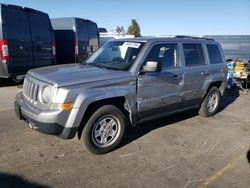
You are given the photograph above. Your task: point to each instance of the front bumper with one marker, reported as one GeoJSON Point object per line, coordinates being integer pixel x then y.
{"type": "Point", "coordinates": [45, 122]}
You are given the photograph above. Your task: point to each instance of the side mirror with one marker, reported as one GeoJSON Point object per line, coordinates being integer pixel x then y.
{"type": "Point", "coordinates": [151, 66]}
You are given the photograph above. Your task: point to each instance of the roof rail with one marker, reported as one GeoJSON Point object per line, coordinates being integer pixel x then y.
{"type": "Point", "coordinates": [192, 37]}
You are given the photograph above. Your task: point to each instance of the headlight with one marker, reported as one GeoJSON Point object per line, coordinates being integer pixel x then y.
{"type": "Point", "coordinates": [47, 94]}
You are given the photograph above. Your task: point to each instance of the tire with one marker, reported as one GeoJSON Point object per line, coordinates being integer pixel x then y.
{"type": "Point", "coordinates": [211, 102]}
{"type": "Point", "coordinates": [104, 130]}
{"type": "Point", "coordinates": [17, 80]}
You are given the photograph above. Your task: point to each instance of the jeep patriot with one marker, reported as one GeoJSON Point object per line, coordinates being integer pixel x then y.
{"type": "Point", "coordinates": [125, 82]}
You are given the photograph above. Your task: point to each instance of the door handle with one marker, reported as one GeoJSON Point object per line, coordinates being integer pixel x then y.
{"type": "Point", "coordinates": [176, 76]}
{"type": "Point", "coordinates": [205, 73]}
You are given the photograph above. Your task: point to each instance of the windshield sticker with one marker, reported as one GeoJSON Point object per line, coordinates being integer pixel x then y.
{"type": "Point", "coordinates": [131, 44]}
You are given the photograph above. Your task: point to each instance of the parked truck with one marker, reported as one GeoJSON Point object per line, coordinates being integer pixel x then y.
{"type": "Point", "coordinates": [76, 39]}
{"type": "Point", "coordinates": [26, 41]}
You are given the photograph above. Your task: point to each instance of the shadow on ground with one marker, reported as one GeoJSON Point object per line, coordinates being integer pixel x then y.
{"type": "Point", "coordinates": [229, 97]}
{"type": "Point", "coordinates": [6, 82]}
{"type": "Point", "coordinates": [144, 128]}
{"type": "Point", "coordinates": [248, 156]}
{"type": "Point", "coordinates": [14, 181]}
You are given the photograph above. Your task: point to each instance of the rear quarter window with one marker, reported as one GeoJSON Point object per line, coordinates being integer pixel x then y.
{"type": "Point", "coordinates": [194, 54]}
{"type": "Point", "coordinates": [214, 54]}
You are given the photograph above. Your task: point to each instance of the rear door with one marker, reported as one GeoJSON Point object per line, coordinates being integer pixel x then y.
{"type": "Point", "coordinates": [93, 37]}
{"type": "Point", "coordinates": [218, 67]}
{"type": "Point", "coordinates": [65, 49]}
{"type": "Point", "coordinates": [17, 33]}
{"type": "Point", "coordinates": [196, 72]}
{"type": "Point", "coordinates": [82, 37]}
{"type": "Point", "coordinates": [41, 31]}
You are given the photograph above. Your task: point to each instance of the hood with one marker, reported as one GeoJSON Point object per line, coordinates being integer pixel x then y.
{"type": "Point", "coordinates": [71, 74]}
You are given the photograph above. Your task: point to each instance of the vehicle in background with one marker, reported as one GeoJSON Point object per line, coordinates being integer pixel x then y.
{"type": "Point", "coordinates": [76, 39]}
{"type": "Point", "coordinates": [26, 41]}
{"type": "Point", "coordinates": [104, 37]}
{"type": "Point", "coordinates": [102, 30]}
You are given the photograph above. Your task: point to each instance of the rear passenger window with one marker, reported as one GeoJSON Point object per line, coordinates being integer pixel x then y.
{"type": "Point", "coordinates": [93, 31]}
{"type": "Point", "coordinates": [214, 54]}
{"type": "Point", "coordinates": [93, 36]}
{"type": "Point", "coordinates": [165, 54]}
{"type": "Point", "coordinates": [82, 31]}
{"type": "Point", "coordinates": [193, 54]}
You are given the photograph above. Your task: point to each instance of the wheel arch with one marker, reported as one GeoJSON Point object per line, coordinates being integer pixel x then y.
{"type": "Point", "coordinates": [218, 84]}
{"type": "Point", "coordinates": [119, 101]}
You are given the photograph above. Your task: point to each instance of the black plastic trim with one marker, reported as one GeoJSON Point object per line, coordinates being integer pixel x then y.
{"type": "Point", "coordinates": [46, 128]}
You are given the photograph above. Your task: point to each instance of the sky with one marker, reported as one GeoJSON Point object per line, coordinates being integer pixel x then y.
{"type": "Point", "coordinates": [155, 17]}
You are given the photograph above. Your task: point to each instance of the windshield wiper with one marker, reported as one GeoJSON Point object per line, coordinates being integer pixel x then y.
{"type": "Point", "coordinates": [99, 65]}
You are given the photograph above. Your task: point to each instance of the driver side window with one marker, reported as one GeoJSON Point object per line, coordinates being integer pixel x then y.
{"type": "Point", "coordinates": [165, 54]}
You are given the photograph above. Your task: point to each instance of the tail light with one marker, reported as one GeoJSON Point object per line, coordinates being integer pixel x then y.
{"type": "Point", "coordinates": [4, 53]}
{"type": "Point", "coordinates": [76, 51]}
{"type": "Point", "coordinates": [54, 49]}
{"type": "Point", "coordinates": [76, 48]}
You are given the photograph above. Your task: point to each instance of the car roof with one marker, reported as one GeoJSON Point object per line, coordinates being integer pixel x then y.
{"type": "Point", "coordinates": [168, 39]}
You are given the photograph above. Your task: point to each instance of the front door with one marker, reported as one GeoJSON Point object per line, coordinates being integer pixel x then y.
{"type": "Point", "coordinates": [159, 93]}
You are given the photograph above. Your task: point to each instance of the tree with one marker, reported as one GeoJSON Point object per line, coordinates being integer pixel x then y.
{"type": "Point", "coordinates": [120, 30]}
{"type": "Point", "coordinates": [134, 29]}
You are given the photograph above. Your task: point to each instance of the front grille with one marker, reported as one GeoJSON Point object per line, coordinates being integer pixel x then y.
{"type": "Point", "coordinates": [30, 90]}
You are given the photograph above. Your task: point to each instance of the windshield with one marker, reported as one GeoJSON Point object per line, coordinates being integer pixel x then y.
{"type": "Point", "coordinates": [117, 55]}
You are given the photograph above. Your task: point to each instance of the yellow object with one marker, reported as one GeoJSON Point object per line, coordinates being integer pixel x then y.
{"type": "Point", "coordinates": [240, 70]}
{"type": "Point", "coordinates": [66, 106]}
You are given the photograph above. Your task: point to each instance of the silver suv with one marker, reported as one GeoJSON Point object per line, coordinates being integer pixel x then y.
{"type": "Point", "coordinates": [124, 82]}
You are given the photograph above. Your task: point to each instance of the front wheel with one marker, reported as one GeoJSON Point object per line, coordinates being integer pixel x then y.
{"type": "Point", "coordinates": [211, 102]}
{"type": "Point", "coordinates": [104, 130]}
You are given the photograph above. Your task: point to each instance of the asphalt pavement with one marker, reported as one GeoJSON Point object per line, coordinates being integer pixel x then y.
{"type": "Point", "coordinates": [183, 150]}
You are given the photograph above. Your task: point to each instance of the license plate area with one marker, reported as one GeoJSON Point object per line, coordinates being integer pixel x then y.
{"type": "Point", "coordinates": [18, 111]}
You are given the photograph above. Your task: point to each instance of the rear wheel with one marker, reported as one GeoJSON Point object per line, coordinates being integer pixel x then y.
{"type": "Point", "coordinates": [104, 130]}
{"type": "Point", "coordinates": [211, 102]}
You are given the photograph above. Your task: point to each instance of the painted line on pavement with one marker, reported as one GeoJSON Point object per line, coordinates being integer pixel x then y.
{"type": "Point", "coordinates": [6, 109]}
{"type": "Point", "coordinates": [221, 172]}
